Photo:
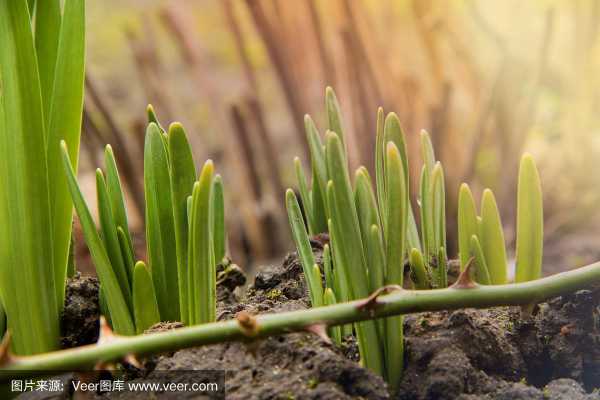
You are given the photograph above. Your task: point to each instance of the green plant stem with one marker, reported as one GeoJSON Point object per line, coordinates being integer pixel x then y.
{"type": "Point", "coordinates": [398, 302]}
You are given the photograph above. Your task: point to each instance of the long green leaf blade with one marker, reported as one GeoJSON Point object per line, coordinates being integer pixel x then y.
{"type": "Point", "coordinates": [26, 251]}
{"type": "Point", "coordinates": [305, 196]}
{"type": "Point", "coordinates": [47, 33]}
{"type": "Point", "coordinates": [65, 124]}
{"type": "Point", "coordinates": [160, 228]}
{"type": "Point", "coordinates": [202, 266]}
{"type": "Point", "coordinates": [218, 206]}
{"type": "Point", "coordinates": [111, 239]}
{"type": "Point", "coordinates": [397, 217]}
{"type": "Point", "coordinates": [351, 255]}
{"type": "Point", "coordinates": [115, 194]}
{"type": "Point", "coordinates": [334, 115]}
{"type": "Point", "coordinates": [530, 222]}
{"type": "Point", "coordinates": [119, 311]}
{"type": "Point", "coordinates": [304, 249]}
{"type": "Point", "coordinates": [438, 206]}
{"type": "Point", "coordinates": [182, 178]}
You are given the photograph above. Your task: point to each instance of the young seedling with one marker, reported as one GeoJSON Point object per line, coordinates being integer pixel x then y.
{"type": "Point", "coordinates": [185, 231]}
{"type": "Point", "coordinates": [41, 100]}
{"type": "Point", "coordinates": [482, 237]}
{"type": "Point", "coordinates": [371, 232]}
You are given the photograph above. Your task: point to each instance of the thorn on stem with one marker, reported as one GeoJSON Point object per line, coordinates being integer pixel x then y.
{"type": "Point", "coordinates": [106, 333]}
{"type": "Point", "coordinates": [370, 303]}
{"type": "Point", "coordinates": [131, 359]}
{"type": "Point", "coordinates": [247, 324]}
{"type": "Point", "coordinates": [320, 330]}
{"type": "Point", "coordinates": [465, 281]}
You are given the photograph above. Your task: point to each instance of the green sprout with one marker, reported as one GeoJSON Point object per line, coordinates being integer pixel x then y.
{"type": "Point", "coordinates": [185, 232]}
{"type": "Point", "coordinates": [41, 101]}
{"type": "Point", "coordinates": [482, 237]}
{"type": "Point", "coordinates": [373, 232]}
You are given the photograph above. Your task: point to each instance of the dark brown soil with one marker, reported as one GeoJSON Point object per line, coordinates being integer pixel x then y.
{"type": "Point", "coordinates": [81, 314]}
{"type": "Point", "coordinates": [464, 354]}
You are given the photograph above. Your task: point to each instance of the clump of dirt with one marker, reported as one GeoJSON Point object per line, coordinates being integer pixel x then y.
{"type": "Point", "coordinates": [495, 352]}
{"type": "Point", "coordinates": [80, 319]}
{"type": "Point", "coordinates": [462, 354]}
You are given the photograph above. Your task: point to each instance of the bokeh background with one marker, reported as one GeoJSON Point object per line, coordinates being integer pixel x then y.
{"type": "Point", "coordinates": [488, 80]}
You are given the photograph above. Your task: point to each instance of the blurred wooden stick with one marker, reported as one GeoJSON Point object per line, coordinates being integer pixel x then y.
{"type": "Point", "coordinates": [240, 45]}
{"type": "Point", "coordinates": [286, 80]}
{"type": "Point", "coordinates": [325, 58]}
{"type": "Point", "coordinates": [117, 139]}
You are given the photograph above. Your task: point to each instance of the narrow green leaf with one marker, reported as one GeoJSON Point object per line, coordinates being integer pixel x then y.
{"type": "Point", "coordinates": [182, 177]}
{"type": "Point", "coordinates": [334, 331]}
{"type": "Point", "coordinates": [442, 268]}
{"type": "Point", "coordinates": [368, 216]}
{"type": "Point", "coordinates": [126, 253]}
{"type": "Point", "coordinates": [427, 229]}
{"type": "Point", "coordinates": [144, 299]}
{"type": "Point", "coordinates": [377, 267]}
{"type": "Point", "coordinates": [160, 228]}
{"type": "Point", "coordinates": [302, 242]}
{"type": "Point", "coordinates": [65, 124]}
{"type": "Point", "coordinates": [328, 267]}
{"type": "Point", "coordinates": [397, 217]}
{"type": "Point", "coordinates": [47, 32]}
{"type": "Point", "coordinates": [348, 250]}
{"type": "Point", "coordinates": [305, 196]}
{"type": "Point", "coordinates": [71, 267]}
{"type": "Point", "coordinates": [110, 238]}
{"type": "Point", "coordinates": [341, 284]}
{"type": "Point", "coordinates": [530, 222]}
{"type": "Point", "coordinates": [334, 115]}
{"type": "Point", "coordinates": [392, 132]}
{"type": "Point", "coordinates": [427, 153]}
{"type": "Point", "coordinates": [317, 158]}
{"type": "Point", "coordinates": [342, 280]}
{"type": "Point", "coordinates": [26, 249]}
{"type": "Point", "coordinates": [418, 270]}
{"type": "Point", "coordinates": [345, 216]}
{"type": "Point", "coordinates": [467, 223]}
{"type": "Point", "coordinates": [319, 209]}
{"type": "Point", "coordinates": [481, 272]}
{"type": "Point", "coordinates": [202, 265]}
{"type": "Point", "coordinates": [438, 206]}
{"type": "Point", "coordinates": [379, 163]}
{"type": "Point", "coordinates": [492, 239]}
{"type": "Point", "coordinates": [116, 196]}
{"type": "Point", "coordinates": [218, 211]}
{"type": "Point", "coordinates": [118, 309]}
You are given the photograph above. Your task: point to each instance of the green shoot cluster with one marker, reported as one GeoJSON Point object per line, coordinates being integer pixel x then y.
{"type": "Point", "coordinates": [481, 237]}
{"type": "Point", "coordinates": [42, 55]}
{"type": "Point", "coordinates": [185, 236]}
{"type": "Point", "coordinates": [373, 232]}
